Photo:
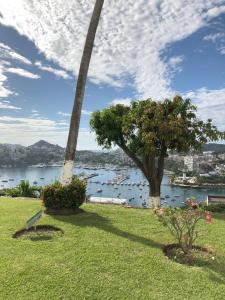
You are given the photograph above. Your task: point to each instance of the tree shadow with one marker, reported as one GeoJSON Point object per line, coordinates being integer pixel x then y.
{"type": "Point", "coordinates": [215, 269]}
{"type": "Point", "coordinates": [219, 215]}
{"type": "Point", "coordinates": [88, 219]}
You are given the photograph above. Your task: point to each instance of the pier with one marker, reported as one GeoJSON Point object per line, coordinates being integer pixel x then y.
{"type": "Point", "coordinates": [103, 200]}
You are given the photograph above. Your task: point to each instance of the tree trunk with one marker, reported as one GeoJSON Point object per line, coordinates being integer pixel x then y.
{"type": "Point", "coordinates": [154, 193]}
{"type": "Point", "coordinates": [67, 171]}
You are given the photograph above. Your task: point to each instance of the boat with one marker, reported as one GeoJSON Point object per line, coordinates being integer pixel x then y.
{"type": "Point", "coordinates": [11, 179]}
{"type": "Point", "coordinates": [41, 177]}
{"type": "Point", "coordinates": [4, 180]}
{"type": "Point", "coordinates": [167, 196]}
{"type": "Point", "coordinates": [99, 190]}
{"type": "Point", "coordinates": [35, 182]}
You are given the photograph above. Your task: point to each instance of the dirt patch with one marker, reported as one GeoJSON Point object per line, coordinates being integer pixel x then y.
{"type": "Point", "coordinates": [40, 229]}
{"type": "Point", "coordinates": [63, 211]}
{"type": "Point", "coordinates": [197, 256]}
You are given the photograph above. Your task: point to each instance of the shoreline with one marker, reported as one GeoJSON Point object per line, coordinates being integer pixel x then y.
{"type": "Point", "coordinates": [196, 186]}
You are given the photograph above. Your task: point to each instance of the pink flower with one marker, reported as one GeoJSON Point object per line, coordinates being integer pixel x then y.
{"type": "Point", "coordinates": [208, 217]}
{"type": "Point", "coordinates": [161, 211]}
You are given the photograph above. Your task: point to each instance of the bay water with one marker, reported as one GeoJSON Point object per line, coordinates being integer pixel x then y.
{"type": "Point", "coordinates": [134, 188]}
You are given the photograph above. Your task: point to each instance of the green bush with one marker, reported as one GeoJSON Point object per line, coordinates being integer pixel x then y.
{"type": "Point", "coordinates": [24, 189]}
{"type": "Point", "coordinates": [12, 192]}
{"type": "Point", "coordinates": [70, 196]}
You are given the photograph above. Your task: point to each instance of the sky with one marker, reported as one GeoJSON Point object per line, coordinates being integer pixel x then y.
{"type": "Point", "coordinates": [143, 49]}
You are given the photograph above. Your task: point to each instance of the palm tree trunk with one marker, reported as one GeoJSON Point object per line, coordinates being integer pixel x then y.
{"type": "Point", "coordinates": [67, 171]}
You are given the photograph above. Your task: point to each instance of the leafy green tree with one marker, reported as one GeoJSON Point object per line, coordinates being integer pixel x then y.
{"type": "Point", "coordinates": [147, 129]}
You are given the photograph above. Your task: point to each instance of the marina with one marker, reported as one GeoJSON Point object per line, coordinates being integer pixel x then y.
{"type": "Point", "coordinates": [109, 182]}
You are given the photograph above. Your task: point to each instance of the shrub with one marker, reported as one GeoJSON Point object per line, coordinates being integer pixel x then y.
{"type": "Point", "coordinates": [182, 223]}
{"type": "Point", "coordinates": [70, 196]}
{"type": "Point", "coordinates": [24, 189]}
{"type": "Point", "coordinates": [12, 192]}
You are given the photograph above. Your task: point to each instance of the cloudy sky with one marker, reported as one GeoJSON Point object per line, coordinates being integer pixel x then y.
{"type": "Point", "coordinates": [155, 48]}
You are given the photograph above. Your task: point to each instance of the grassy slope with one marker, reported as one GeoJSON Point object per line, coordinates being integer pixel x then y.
{"type": "Point", "coordinates": [107, 253]}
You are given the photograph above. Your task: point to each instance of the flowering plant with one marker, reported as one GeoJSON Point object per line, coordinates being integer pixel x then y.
{"type": "Point", "coordinates": [182, 222]}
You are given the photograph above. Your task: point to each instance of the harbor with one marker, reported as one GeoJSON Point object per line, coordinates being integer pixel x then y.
{"type": "Point", "coordinates": [109, 182]}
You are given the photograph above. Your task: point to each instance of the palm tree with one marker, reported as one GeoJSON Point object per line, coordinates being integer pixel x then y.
{"type": "Point", "coordinates": [67, 171]}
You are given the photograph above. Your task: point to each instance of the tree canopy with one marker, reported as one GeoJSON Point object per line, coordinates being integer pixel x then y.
{"type": "Point", "coordinates": [147, 129]}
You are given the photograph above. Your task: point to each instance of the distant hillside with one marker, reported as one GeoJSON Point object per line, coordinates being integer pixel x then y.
{"type": "Point", "coordinates": [40, 152]}
{"type": "Point", "coordinates": [214, 147]}
{"type": "Point", "coordinates": [44, 152]}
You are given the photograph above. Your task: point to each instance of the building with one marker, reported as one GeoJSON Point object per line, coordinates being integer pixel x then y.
{"type": "Point", "coordinates": [190, 163]}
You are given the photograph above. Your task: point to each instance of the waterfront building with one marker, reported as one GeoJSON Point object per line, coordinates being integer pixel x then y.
{"type": "Point", "coordinates": [190, 162]}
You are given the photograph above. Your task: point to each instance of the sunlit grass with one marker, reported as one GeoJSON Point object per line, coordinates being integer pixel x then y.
{"type": "Point", "coordinates": [108, 252]}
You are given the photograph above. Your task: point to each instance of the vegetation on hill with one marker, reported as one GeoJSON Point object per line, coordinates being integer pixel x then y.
{"type": "Point", "coordinates": [44, 152]}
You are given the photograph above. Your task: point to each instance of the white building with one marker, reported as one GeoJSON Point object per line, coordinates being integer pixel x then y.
{"type": "Point", "coordinates": [190, 162]}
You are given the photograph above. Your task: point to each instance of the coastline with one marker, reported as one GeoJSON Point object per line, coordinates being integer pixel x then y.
{"type": "Point", "coordinates": [197, 186]}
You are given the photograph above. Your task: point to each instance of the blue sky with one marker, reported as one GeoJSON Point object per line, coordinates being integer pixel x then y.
{"type": "Point", "coordinates": [150, 49]}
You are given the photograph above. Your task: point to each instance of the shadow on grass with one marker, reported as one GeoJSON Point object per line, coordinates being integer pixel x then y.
{"type": "Point", "coordinates": [40, 238]}
{"type": "Point", "coordinates": [95, 220]}
{"type": "Point", "coordinates": [215, 268]}
{"type": "Point", "coordinates": [219, 216]}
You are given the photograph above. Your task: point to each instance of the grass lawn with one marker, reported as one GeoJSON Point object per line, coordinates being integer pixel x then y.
{"type": "Point", "coordinates": [109, 252]}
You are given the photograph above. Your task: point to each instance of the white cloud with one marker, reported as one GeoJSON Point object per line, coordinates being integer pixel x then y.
{"type": "Point", "coordinates": [86, 112]}
{"type": "Point", "coordinates": [4, 90]}
{"type": "Point", "coordinates": [213, 37]}
{"type": "Point", "coordinates": [9, 53]}
{"type": "Point", "coordinates": [7, 105]}
{"type": "Point", "coordinates": [175, 64]}
{"type": "Point", "coordinates": [22, 72]}
{"type": "Point", "coordinates": [63, 114]}
{"type": "Point", "coordinates": [217, 10]}
{"type": "Point", "coordinates": [218, 39]}
{"type": "Point", "coordinates": [210, 104]}
{"type": "Point", "coordinates": [5, 66]}
{"type": "Point", "coordinates": [222, 50]}
{"type": "Point", "coordinates": [124, 101]}
{"type": "Point", "coordinates": [83, 112]}
{"type": "Point", "coordinates": [25, 131]}
{"type": "Point", "coordinates": [128, 45]}
{"type": "Point", "coordinates": [57, 72]}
